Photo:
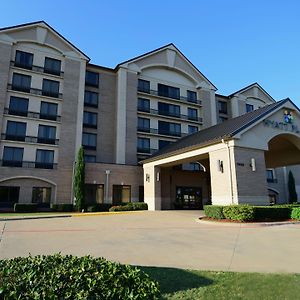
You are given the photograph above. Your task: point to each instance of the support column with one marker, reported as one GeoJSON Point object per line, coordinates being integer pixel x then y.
{"type": "Point", "coordinates": [234, 105]}
{"type": "Point", "coordinates": [152, 187]}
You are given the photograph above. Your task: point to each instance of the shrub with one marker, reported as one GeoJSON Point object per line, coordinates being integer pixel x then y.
{"type": "Point", "coordinates": [239, 212]}
{"type": "Point", "coordinates": [214, 211]}
{"type": "Point", "coordinates": [99, 207]}
{"type": "Point", "coordinates": [296, 213]}
{"type": "Point", "coordinates": [276, 212]}
{"type": "Point", "coordinates": [62, 207]}
{"type": "Point", "coordinates": [130, 206]}
{"type": "Point", "coordinates": [71, 277]}
{"type": "Point", "coordinates": [25, 207]}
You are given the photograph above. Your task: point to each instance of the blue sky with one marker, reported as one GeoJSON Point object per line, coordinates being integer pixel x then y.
{"type": "Point", "coordinates": [234, 43]}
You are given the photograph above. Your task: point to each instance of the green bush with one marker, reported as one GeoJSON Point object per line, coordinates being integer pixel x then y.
{"type": "Point", "coordinates": [130, 206]}
{"type": "Point", "coordinates": [99, 207]}
{"type": "Point", "coordinates": [214, 211]}
{"type": "Point", "coordinates": [239, 212]}
{"type": "Point", "coordinates": [25, 207]}
{"type": "Point", "coordinates": [62, 207]}
{"type": "Point", "coordinates": [296, 213]}
{"type": "Point", "coordinates": [275, 212]}
{"type": "Point", "coordinates": [71, 277]}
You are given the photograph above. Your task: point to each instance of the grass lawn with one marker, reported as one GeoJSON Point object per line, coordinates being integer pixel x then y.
{"type": "Point", "coordinates": [185, 284]}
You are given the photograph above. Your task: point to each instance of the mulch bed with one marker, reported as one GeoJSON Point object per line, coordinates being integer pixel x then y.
{"type": "Point", "coordinates": [257, 221]}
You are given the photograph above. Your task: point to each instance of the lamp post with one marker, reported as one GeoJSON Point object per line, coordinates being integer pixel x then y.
{"type": "Point", "coordinates": [107, 172]}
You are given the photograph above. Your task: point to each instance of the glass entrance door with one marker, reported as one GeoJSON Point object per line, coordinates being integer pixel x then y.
{"type": "Point", "coordinates": [188, 198]}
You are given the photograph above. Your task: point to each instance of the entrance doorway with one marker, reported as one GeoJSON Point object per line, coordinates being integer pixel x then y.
{"type": "Point", "coordinates": [188, 198]}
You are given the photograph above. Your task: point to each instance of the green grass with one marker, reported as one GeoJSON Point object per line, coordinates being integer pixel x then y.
{"type": "Point", "coordinates": [185, 284]}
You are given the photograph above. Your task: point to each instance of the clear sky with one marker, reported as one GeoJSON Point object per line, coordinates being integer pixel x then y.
{"type": "Point", "coordinates": [234, 42]}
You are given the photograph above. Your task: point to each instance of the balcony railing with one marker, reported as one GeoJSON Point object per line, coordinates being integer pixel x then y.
{"type": "Point", "coordinates": [88, 125]}
{"type": "Point", "coordinates": [31, 114]}
{"type": "Point", "coordinates": [37, 69]}
{"type": "Point", "coordinates": [89, 147]}
{"type": "Point", "coordinates": [27, 164]}
{"type": "Point", "coordinates": [157, 93]}
{"type": "Point", "coordinates": [34, 91]}
{"type": "Point", "coordinates": [169, 114]}
{"type": "Point", "coordinates": [272, 180]}
{"type": "Point", "coordinates": [162, 132]}
{"type": "Point", "coordinates": [29, 139]}
{"type": "Point", "coordinates": [146, 150]}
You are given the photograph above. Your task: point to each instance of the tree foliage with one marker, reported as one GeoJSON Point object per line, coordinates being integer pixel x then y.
{"type": "Point", "coordinates": [79, 180]}
{"type": "Point", "coordinates": [293, 197]}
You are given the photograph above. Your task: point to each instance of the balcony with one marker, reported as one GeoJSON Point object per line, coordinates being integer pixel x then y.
{"type": "Point", "coordinates": [31, 114]}
{"type": "Point", "coordinates": [146, 150]}
{"type": "Point", "coordinates": [34, 91]}
{"type": "Point", "coordinates": [88, 125]}
{"type": "Point", "coordinates": [156, 93]}
{"type": "Point", "coordinates": [160, 132]}
{"type": "Point", "coordinates": [29, 139]}
{"type": "Point", "coordinates": [37, 69]}
{"type": "Point", "coordinates": [27, 164]}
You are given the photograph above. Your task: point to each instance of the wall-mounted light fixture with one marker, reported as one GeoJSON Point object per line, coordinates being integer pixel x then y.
{"type": "Point", "coordinates": [157, 176]}
{"type": "Point", "coordinates": [147, 177]}
{"type": "Point", "coordinates": [220, 166]}
{"type": "Point", "coordinates": [253, 164]}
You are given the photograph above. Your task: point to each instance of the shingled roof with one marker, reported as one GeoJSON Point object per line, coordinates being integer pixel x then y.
{"type": "Point", "coordinates": [216, 133]}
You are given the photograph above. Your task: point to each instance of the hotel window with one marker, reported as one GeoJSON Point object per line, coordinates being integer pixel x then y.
{"type": "Point", "coordinates": [271, 176]}
{"type": "Point", "coordinates": [143, 105]}
{"type": "Point", "coordinates": [163, 143]}
{"type": "Point", "coordinates": [89, 119]}
{"type": "Point", "coordinates": [192, 114]}
{"type": "Point", "coordinates": [44, 159]}
{"type": "Point", "coordinates": [249, 107]}
{"type": "Point", "coordinates": [48, 111]}
{"type": "Point", "coordinates": [144, 124]}
{"type": "Point", "coordinates": [89, 158]}
{"type": "Point", "coordinates": [89, 141]}
{"type": "Point", "coordinates": [168, 91]}
{"type": "Point", "coordinates": [47, 134]}
{"type": "Point", "coordinates": [167, 128]}
{"type": "Point", "coordinates": [9, 194]}
{"type": "Point", "coordinates": [222, 119]}
{"type": "Point", "coordinates": [192, 129]}
{"type": "Point", "coordinates": [121, 194]}
{"type": "Point", "coordinates": [52, 66]}
{"type": "Point", "coordinates": [94, 193]}
{"type": "Point", "coordinates": [144, 86]}
{"type": "Point", "coordinates": [92, 79]}
{"type": "Point", "coordinates": [23, 60]}
{"type": "Point", "coordinates": [91, 99]}
{"type": "Point", "coordinates": [21, 82]}
{"type": "Point", "coordinates": [41, 195]}
{"type": "Point", "coordinates": [12, 156]}
{"type": "Point", "coordinates": [222, 106]}
{"type": "Point", "coordinates": [168, 109]}
{"type": "Point", "coordinates": [15, 131]}
{"type": "Point", "coordinates": [50, 88]}
{"type": "Point", "coordinates": [191, 96]}
{"type": "Point", "coordinates": [18, 106]}
{"type": "Point", "coordinates": [143, 145]}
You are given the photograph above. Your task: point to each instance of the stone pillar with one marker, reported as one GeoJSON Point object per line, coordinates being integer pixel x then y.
{"type": "Point", "coordinates": [152, 187]}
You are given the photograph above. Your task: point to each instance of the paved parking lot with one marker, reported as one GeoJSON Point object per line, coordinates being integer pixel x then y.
{"type": "Point", "coordinates": [166, 238]}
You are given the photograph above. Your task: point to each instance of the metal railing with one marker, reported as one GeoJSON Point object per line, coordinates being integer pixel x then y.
{"type": "Point", "coordinates": [146, 150]}
{"type": "Point", "coordinates": [27, 164]}
{"type": "Point", "coordinates": [34, 91]}
{"type": "Point", "coordinates": [162, 132]}
{"type": "Point", "coordinates": [29, 139]}
{"type": "Point", "coordinates": [31, 114]}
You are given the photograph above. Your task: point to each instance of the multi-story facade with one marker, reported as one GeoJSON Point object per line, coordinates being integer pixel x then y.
{"type": "Point", "coordinates": [52, 101]}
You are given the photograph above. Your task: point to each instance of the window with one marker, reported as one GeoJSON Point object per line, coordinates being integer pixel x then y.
{"type": "Point", "coordinates": [23, 60]}
{"type": "Point", "coordinates": [163, 143]}
{"type": "Point", "coordinates": [144, 86]}
{"type": "Point", "coordinates": [89, 141]}
{"type": "Point", "coordinates": [192, 129]}
{"type": "Point", "coordinates": [141, 193]}
{"type": "Point", "coordinates": [47, 134]}
{"type": "Point", "coordinates": [222, 106]}
{"type": "Point", "coordinates": [144, 124]}
{"type": "Point", "coordinates": [121, 194]}
{"type": "Point", "coordinates": [15, 131]}
{"type": "Point", "coordinates": [41, 195]}
{"type": "Point", "coordinates": [168, 91]}
{"type": "Point", "coordinates": [12, 156]}
{"type": "Point", "coordinates": [143, 145]}
{"type": "Point", "coordinates": [89, 119]}
{"type": "Point", "coordinates": [44, 159]}
{"type": "Point", "coordinates": [191, 96]}
{"type": "Point", "coordinates": [90, 99]}
{"type": "Point", "coordinates": [222, 119]}
{"type": "Point", "coordinates": [90, 158]}
{"type": "Point", "coordinates": [50, 88]}
{"type": "Point", "coordinates": [94, 193]}
{"type": "Point", "coordinates": [167, 128]}
{"type": "Point", "coordinates": [143, 104]}
{"type": "Point", "coordinates": [192, 114]}
{"type": "Point", "coordinates": [18, 106]}
{"type": "Point", "coordinates": [48, 111]}
{"type": "Point", "coordinates": [52, 66]}
{"type": "Point", "coordinates": [21, 82]}
{"type": "Point", "coordinates": [9, 194]}
{"type": "Point", "coordinates": [271, 176]}
{"type": "Point", "coordinates": [249, 107]}
{"type": "Point", "coordinates": [91, 79]}
{"type": "Point", "coordinates": [168, 109]}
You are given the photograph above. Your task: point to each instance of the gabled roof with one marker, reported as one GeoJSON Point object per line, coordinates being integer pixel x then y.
{"type": "Point", "coordinates": [215, 134]}
{"type": "Point", "coordinates": [51, 29]}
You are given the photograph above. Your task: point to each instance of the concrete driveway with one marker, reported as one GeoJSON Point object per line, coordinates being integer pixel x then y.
{"type": "Point", "coordinates": [166, 238]}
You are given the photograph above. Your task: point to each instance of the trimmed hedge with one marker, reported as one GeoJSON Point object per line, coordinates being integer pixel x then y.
{"type": "Point", "coordinates": [239, 212]}
{"type": "Point", "coordinates": [99, 207]}
{"type": "Point", "coordinates": [25, 207]}
{"type": "Point", "coordinates": [70, 277]}
{"type": "Point", "coordinates": [296, 213]}
{"type": "Point", "coordinates": [62, 207]}
{"type": "Point", "coordinates": [130, 206]}
{"type": "Point", "coordinates": [214, 211]}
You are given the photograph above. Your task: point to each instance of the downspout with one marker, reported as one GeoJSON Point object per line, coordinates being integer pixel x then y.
{"type": "Point", "coordinates": [230, 169]}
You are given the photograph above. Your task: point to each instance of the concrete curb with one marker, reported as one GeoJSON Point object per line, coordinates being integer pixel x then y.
{"type": "Point", "coordinates": [34, 217]}
{"type": "Point", "coordinates": [257, 224]}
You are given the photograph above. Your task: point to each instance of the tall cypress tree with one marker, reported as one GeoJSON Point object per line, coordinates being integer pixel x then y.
{"type": "Point", "coordinates": [79, 181]}
{"type": "Point", "coordinates": [293, 197]}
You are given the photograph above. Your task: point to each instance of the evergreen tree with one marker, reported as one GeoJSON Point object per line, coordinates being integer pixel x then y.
{"type": "Point", "coordinates": [292, 188]}
{"type": "Point", "coordinates": [79, 181]}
